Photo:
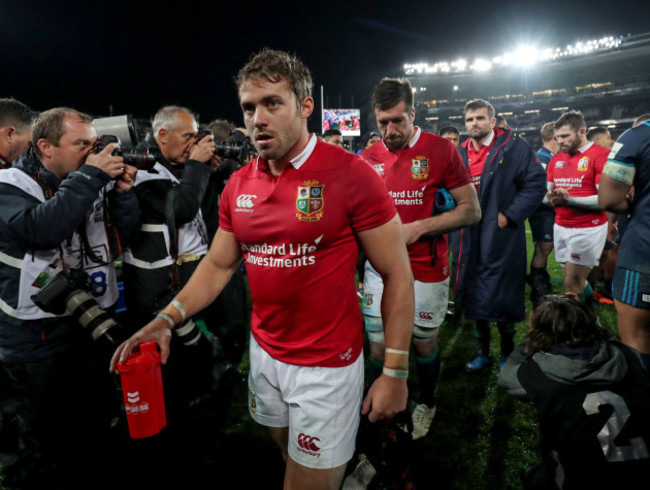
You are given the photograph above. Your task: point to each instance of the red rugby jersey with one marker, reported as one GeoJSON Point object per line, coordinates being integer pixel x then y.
{"type": "Point", "coordinates": [413, 175]}
{"type": "Point", "coordinates": [579, 174]}
{"type": "Point", "coordinates": [297, 235]}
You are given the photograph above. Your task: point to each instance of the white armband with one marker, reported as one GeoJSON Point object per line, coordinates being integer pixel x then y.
{"type": "Point", "coordinates": [623, 172]}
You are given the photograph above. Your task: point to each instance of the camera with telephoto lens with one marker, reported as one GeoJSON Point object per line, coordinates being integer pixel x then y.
{"type": "Point", "coordinates": [141, 158]}
{"type": "Point", "coordinates": [128, 133]}
{"type": "Point", "coordinates": [235, 149]}
{"type": "Point", "coordinates": [69, 290]}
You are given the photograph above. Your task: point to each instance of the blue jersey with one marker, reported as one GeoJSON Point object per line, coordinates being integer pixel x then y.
{"type": "Point", "coordinates": [633, 148]}
{"type": "Point", "coordinates": [544, 156]}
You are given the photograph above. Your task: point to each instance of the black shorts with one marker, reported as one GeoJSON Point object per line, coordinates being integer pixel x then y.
{"type": "Point", "coordinates": [632, 288]}
{"type": "Point", "coordinates": [541, 224]}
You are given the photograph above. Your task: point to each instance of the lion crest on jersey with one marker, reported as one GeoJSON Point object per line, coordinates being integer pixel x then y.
{"type": "Point", "coordinates": [310, 202]}
{"type": "Point", "coordinates": [420, 168]}
{"type": "Point", "coordinates": [583, 164]}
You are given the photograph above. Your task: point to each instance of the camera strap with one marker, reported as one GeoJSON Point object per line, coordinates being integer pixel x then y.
{"type": "Point", "coordinates": [170, 219]}
{"type": "Point", "coordinates": [47, 192]}
{"type": "Point", "coordinates": [112, 236]}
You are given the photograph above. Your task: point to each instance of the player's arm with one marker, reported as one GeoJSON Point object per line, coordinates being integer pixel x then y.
{"type": "Point", "coordinates": [466, 212]}
{"type": "Point", "coordinates": [384, 248]}
{"type": "Point", "coordinates": [590, 202]}
{"type": "Point", "coordinates": [615, 184]}
{"type": "Point", "coordinates": [207, 281]}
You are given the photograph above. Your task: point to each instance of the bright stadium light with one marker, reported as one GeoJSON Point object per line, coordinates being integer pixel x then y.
{"type": "Point", "coordinates": [525, 56]}
{"type": "Point", "coordinates": [522, 57]}
{"type": "Point", "coordinates": [481, 65]}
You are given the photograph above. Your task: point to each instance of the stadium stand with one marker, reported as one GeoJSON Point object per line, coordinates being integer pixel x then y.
{"type": "Point", "coordinates": [608, 80]}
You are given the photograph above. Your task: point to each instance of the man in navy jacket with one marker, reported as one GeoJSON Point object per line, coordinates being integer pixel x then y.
{"type": "Point", "coordinates": [490, 256]}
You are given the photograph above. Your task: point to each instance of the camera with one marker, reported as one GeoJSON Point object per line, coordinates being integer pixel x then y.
{"type": "Point", "coordinates": [141, 158]}
{"type": "Point", "coordinates": [125, 131]}
{"type": "Point", "coordinates": [236, 148]}
{"type": "Point", "coordinates": [69, 290]}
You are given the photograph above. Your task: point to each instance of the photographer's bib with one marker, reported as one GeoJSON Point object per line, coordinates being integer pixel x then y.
{"type": "Point", "coordinates": [191, 237]}
{"type": "Point", "coordinates": [38, 266]}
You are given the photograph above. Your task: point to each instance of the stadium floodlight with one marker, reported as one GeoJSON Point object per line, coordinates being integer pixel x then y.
{"type": "Point", "coordinates": [522, 57]}
{"type": "Point", "coordinates": [481, 65]}
{"type": "Point", "coordinates": [525, 56]}
{"type": "Point", "coordinates": [459, 65]}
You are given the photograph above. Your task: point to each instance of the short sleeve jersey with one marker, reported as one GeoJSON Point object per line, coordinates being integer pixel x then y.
{"type": "Point", "coordinates": [413, 175]}
{"type": "Point", "coordinates": [633, 148]}
{"type": "Point", "coordinates": [580, 175]}
{"type": "Point", "coordinates": [297, 235]}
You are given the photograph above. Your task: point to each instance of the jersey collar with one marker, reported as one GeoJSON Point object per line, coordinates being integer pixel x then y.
{"type": "Point", "coordinates": [297, 161]}
{"type": "Point", "coordinates": [411, 143]}
{"type": "Point", "coordinates": [586, 147]}
{"type": "Point", "coordinates": [415, 137]}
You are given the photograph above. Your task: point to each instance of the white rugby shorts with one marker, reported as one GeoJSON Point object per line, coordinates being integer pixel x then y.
{"type": "Point", "coordinates": [431, 299]}
{"type": "Point", "coordinates": [581, 246]}
{"type": "Point", "coordinates": [320, 405]}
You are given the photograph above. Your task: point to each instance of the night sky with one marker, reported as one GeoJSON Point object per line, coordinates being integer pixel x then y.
{"type": "Point", "coordinates": [114, 56]}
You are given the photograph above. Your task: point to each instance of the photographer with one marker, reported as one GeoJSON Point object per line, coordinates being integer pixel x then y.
{"type": "Point", "coordinates": [59, 210]}
{"type": "Point", "coordinates": [171, 239]}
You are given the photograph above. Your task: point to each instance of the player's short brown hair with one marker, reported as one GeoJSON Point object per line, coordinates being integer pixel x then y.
{"type": "Point", "coordinates": [275, 66]}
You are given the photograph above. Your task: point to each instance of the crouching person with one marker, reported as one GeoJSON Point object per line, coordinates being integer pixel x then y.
{"type": "Point", "coordinates": [592, 396]}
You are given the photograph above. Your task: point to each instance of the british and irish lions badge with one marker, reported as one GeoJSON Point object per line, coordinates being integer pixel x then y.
{"type": "Point", "coordinates": [309, 202]}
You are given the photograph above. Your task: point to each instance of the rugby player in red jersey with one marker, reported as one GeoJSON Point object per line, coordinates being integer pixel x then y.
{"type": "Point", "coordinates": [580, 225]}
{"type": "Point", "coordinates": [415, 165]}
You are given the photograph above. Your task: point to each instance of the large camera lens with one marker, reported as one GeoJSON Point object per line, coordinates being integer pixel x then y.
{"type": "Point", "coordinates": [68, 289]}
{"type": "Point", "coordinates": [188, 333]}
{"type": "Point", "coordinates": [141, 158]}
{"type": "Point", "coordinates": [91, 316]}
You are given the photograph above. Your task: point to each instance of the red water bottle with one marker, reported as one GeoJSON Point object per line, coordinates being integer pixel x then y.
{"type": "Point", "coordinates": [143, 391]}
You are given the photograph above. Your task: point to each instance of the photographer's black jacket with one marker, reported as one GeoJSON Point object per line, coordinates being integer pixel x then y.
{"type": "Point", "coordinates": [43, 218]}
{"type": "Point", "coordinates": [171, 226]}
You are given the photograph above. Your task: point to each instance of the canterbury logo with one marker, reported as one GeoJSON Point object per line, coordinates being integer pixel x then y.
{"type": "Point", "coordinates": [133, 397]}
{"type": "Point", "coordinates": [245, 200]}
{"type": "Point", "coordinates": [308, 442]}
{"type": "Point", "coordinates": [426, 315]}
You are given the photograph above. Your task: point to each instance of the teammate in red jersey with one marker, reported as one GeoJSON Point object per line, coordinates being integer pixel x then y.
{"type": "Point", "coordinates": [415, 165]}
{"type": "Point", "coordinates": [296, 215]}
{"type": "Point", "coordinates": [580, 225]}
